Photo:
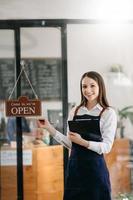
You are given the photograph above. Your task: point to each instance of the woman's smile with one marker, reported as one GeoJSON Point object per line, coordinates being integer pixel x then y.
{"type": "Point", "coordinates": [90, 89]}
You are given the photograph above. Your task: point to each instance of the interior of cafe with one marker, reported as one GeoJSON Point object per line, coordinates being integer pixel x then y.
{"type": "Point", "coordinates": [45, 48]}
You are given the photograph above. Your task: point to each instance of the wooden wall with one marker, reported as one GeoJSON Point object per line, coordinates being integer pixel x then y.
{"type": "Point", "coordinates": [42, 180]}
{"type": "Point", "coordinates": [118, 162]}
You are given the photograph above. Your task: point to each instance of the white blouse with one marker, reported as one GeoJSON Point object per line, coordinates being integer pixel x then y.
{"type": "Point", "coordinates": [108, 125]}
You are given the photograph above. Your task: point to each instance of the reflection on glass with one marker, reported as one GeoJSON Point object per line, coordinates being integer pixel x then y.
{"type": "Point", "coordinates": [41, 51]}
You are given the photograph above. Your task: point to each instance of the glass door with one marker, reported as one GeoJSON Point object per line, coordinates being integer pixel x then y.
{"type": "Point", "coordinates": [40, 176]}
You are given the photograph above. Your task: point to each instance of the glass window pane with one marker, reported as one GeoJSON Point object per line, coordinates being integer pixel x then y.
{"type": "Point", "coordinates": [107, 49]}
{"type": "Point", "coordinates": [41, 53]}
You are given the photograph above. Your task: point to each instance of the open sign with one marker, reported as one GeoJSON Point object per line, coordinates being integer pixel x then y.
{"type": "Point", "coordinates": [23, 107]}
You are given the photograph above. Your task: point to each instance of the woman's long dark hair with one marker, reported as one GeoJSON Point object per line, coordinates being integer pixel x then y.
{"type": "Point", "coordinates": [102, 99]}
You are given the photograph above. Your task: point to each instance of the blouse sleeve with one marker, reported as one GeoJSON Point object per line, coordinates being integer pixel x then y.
{"type": "Point", "coordinates": [108, 130]}
{"type": "Point", "coordinates": [63, 139]}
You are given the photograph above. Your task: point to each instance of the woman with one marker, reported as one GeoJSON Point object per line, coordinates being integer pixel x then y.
{"type": "Point", "coordinates": [87, 173]}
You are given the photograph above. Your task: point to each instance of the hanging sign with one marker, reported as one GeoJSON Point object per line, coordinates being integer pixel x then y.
{"type": "Point", "coordinates": [23, 107]}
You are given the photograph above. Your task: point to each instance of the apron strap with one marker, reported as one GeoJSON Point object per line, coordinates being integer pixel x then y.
{"type": "Point", "coordinates": [102, 112]}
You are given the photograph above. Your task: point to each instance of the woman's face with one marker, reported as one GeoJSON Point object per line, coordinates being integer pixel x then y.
{"type": "Point", "coordinates": [90, 89]}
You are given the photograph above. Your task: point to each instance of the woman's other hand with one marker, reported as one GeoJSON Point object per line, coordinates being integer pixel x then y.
{"type": "Point", "coordinates": [76, 138]}
{"type": "Point", "coordinates": [45, 124]}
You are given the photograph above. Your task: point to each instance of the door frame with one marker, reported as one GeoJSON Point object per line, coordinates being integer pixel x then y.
{"type": "Point", "coordinates": [16, 26]}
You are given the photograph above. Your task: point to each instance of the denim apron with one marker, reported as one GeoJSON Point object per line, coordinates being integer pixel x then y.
{"type": "Point", "coordinates": [87, 174]}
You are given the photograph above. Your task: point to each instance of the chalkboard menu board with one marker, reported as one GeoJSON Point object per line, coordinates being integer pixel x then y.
{"type": "Point", "coordinates": [44, 74]}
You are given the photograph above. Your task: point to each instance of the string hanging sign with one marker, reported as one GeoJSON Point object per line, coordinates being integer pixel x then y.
{"type": "Point", "coordinates": [23, 106]}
